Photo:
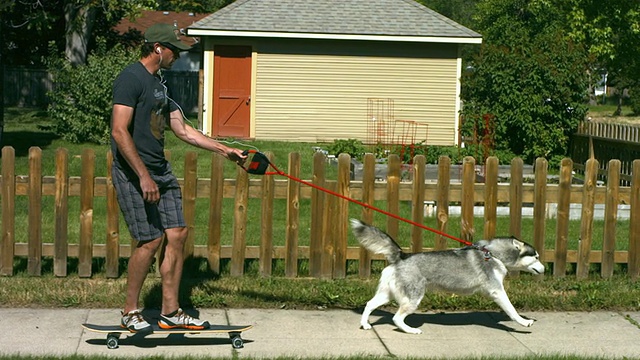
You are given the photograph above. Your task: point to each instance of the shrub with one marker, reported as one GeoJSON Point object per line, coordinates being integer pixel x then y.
{"type": "Point", "coordinates": [355, 148]}
{"type": "Point", "coordinates": [82, 97]}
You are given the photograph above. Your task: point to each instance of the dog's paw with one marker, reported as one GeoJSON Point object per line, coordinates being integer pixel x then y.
{"type": "Point", "coordinates": [410, 330]}
{"type": "Point", "coordinates": [365, 326]}
{"type": "Point", "coordinates": [526, 322]}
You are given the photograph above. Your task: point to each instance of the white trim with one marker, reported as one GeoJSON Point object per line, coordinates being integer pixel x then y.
{"type": "Point", "coordinates": [260, 34]}
{"type": "Point", "coordinates": [458, 100]}
{"type": "Point", "coordinates": [207, 104]}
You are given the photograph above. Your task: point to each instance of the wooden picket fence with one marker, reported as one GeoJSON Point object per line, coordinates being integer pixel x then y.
{"type": "Point", "coordinates": [328, 250]}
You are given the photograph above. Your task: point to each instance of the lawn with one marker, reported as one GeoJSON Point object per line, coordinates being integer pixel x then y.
{"type": "Point", "coordinates": [28, 127]}
{"type": "Point", "coordinates": [203, 289]}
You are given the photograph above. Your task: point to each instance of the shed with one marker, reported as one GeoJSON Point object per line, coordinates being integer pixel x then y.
{"type": "Point", "coordinates": [316, 71]}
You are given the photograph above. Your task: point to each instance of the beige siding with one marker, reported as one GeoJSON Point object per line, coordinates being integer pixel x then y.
{"type": "Point", "coordinates": [317, 97]}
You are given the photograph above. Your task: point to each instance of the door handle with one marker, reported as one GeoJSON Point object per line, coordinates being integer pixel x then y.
{"type": "Point", "coordinates": [248, 100]}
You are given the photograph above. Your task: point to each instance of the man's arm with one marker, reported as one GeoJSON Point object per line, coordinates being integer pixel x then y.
{"type": "Point", "coordinates": [121, 119]}
{"type": "Point", "coordinates": [192, 136]}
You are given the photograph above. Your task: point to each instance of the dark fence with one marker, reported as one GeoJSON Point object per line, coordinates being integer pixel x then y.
{"type": "Point", "coordinates": [609, 141]}
{"type": "Point", "coordinates": [28, 87]}
{"type": "Point", "coordinates": [183, 86]}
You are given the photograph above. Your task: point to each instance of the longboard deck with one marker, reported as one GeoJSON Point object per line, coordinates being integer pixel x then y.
{"type": "Point", "coordinates": [114, 331]}
{"type": "Point", "coordinates": [156, 329]}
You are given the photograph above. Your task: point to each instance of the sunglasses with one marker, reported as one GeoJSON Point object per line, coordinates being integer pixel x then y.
{"type": "Point", "coordinates": [174, 50]}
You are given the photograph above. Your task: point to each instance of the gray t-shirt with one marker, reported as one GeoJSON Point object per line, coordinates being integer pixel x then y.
{"type": "Point", "coordinates": [137, 88]}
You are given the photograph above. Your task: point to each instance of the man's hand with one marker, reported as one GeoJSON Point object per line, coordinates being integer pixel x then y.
{"type": "Point", "coordinates": [150, 191]}
{"type": "Point", "coordinates": [237, 156]}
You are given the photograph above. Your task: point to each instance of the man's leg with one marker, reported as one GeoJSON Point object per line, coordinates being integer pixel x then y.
{"type": "Point", "coordinates": [172, 315]}
{"type": "Point", "coordinates": [137, 271]}
{"type": "Point", "coordinates": [171, 268]}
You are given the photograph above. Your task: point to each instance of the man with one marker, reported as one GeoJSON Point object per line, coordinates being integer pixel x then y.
{"type": "Point", "coordinates": [148, 192]}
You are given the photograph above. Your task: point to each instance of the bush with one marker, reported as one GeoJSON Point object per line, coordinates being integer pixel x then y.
{"type": "Point", "coordinates": [355, 148]}
{"type": "Point", "coordinates": [81, 101]}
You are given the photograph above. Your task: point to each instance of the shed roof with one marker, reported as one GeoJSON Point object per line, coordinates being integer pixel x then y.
{"type": "Point", "coordinates": [389, 20]}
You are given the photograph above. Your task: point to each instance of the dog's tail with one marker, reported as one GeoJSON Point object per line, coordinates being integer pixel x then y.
{"type": "Point", "coordinates": [377, 241]}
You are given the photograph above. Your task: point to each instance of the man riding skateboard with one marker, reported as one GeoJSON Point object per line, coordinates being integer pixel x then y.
{"type": "Point", "coordinates": [148, 192]}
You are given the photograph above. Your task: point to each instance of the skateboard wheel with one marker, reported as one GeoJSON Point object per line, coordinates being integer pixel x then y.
{"type": "Point", "coordinates": [237, 342]}
{"type": "Point", "coordinates": [112, 342]}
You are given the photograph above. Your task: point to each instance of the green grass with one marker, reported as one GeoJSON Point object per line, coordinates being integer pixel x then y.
{"type": "Point", "coordinates": [201, 288]}
{"type": "Point", "coordinates": [25, 128]}
{"type": "Point", "coordinates": [28, 127]}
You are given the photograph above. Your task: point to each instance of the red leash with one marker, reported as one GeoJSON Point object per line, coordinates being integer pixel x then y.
{"type": "Point", "coordinates": [259, 164]}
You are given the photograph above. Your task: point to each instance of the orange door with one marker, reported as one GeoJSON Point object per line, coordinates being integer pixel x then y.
{"type": "Point", "coordinates": [232, 91]}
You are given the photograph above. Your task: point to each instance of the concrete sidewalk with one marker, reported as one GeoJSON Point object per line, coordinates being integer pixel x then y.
{"type": "Point", "coordinates": [302, 333]}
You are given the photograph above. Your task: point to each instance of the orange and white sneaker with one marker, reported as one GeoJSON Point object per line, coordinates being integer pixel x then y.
{"type": "Point", "coordinates": [134, 321]}
{"type": "Point", "coordinates": [181, 320]}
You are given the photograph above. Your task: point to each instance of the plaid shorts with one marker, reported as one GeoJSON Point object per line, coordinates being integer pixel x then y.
{"type": "Point", "coordinates": [148, 221]}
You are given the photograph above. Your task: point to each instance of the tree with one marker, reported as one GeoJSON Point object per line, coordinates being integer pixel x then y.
{"type": "Point", "coordinates": [529, 78]}
{"type": "Point", "coordinates": [27, 27]}
{"type": "Point", "coordinates": [30, 26]}
{"type": "Point", "coordinates": [200, 7]}
{"type": "Point", "coordinates": [610, 33]}
{"type": "Point", "coordinates": [460, 11]}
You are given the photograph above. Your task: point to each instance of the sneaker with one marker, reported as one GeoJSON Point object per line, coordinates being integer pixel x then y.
{"type": "Point", "coordinates": [181, 320]}
{"type": "Point", "coordinates": [134, 321]}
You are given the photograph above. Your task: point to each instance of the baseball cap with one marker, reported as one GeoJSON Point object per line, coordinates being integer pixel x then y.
{"type": "Point", "coordinates": [165, 33]}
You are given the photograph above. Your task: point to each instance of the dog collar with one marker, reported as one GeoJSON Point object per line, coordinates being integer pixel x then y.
{"type": "Point", "coordinates": [486, 254]}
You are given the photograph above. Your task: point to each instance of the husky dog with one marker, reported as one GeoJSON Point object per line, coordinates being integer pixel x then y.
{"type": "Point", "coordinates": [481, 268]}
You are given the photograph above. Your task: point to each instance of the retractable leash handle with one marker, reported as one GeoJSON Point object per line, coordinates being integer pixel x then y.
{"type": "Point", "coordinates": [259, 164]}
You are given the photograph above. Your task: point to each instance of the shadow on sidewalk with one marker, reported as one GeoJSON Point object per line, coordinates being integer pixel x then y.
{"type": "Point", "coordinates": [487, 319]}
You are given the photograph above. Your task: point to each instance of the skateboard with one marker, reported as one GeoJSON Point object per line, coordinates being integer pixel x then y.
{"type": "Point", "coordinates": [115, 331]}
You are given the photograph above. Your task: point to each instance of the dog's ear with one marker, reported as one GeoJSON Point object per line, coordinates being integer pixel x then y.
{"type": "Point", "coordinates": [516, 243]}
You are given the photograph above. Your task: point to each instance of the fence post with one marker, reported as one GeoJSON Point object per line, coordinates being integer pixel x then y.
{"type": "Point", "coordinates": [442, 200]}
{"type": "Point", "coordinates": [8, 211]}
{"type": "Point", "coordinates": [216, 191]}
{"type": "Point", "coordinates": [189, 200]}
{"type": "Point", "coordinates": [266, 224]}
{"type": "Point", "coordinates": [610, 217]}
{"type": "Point", "coordinates": [490, 197]}
{"type": "Point", "coordinates": [34, 264]}
{"type": "Point", "coordinates": [328, 232]}
{"type": "Point", "coordinates": [317, 216]}
{"type": "Point", "coordinates": [540, 206]}
{"type": "Point", "coordinates": [85, 254]}
{"type": "Point", "coordinates": [293, 211]}
{"type": "Point", "coordinates": [340, 240]}
{"type": "Point", "coordinates": [634, 223]}
{"type": "Point", "coordinates": [586, 223]}
{"type": "Point", "coordinates": [61, 243]}
{"type": "Point", "coordinates": [393, 194]}
{"type": "Point", "coordinates": [417, 199]}
{"type": "Point", "coordinates": [113, 231]}
{"type": "Point", "coordinates": [238, 247]}
{"type": "Point", "coordinates": [468, 199]}
{"type": "Point", "coordinates": [515, 198]}
{"type": "Point", "coordinates": [368, 197]}
{"type": "Point", "coordinates": [562, 218]}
